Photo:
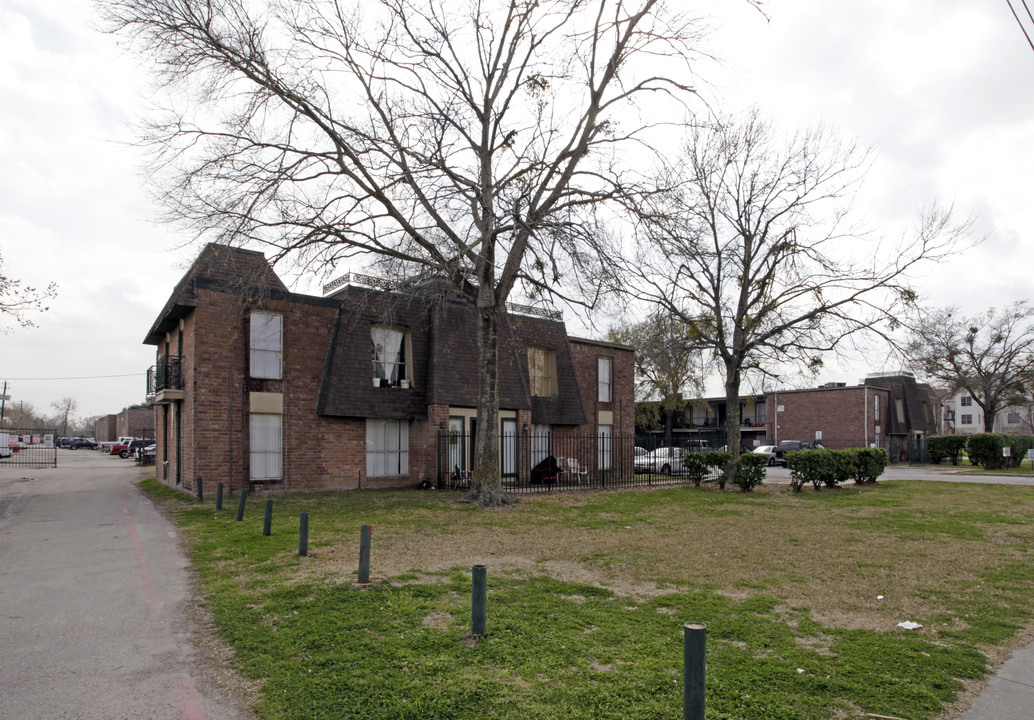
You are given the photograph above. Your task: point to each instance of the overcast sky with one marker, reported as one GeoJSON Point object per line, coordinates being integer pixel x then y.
{"type": "Point", "coordinates": [942, 89]}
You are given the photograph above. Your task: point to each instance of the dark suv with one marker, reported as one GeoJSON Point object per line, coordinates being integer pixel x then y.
{"type": "Point", "coordinates": [794, 445]}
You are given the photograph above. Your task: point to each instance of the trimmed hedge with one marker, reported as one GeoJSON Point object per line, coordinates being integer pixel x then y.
{"type": "Point", "coordinates": [750, 470]}
{"type": "Point", "coordinates": [947, 447]}
{"type": "Point", "coordinates": [832, 467]}
{"type": "Point", "coordinates": [985, 449]}
{"type": "Point", "coordinates": [694, 467]}
{"type": "Point", "coordinates": [869, 464]}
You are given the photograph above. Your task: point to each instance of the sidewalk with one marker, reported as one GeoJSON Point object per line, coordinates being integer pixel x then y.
{"type": "Point", "coordinates": [1010, 694]}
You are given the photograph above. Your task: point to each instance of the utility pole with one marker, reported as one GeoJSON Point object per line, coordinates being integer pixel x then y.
{"type": "Point", "coordinates": [3, 402]}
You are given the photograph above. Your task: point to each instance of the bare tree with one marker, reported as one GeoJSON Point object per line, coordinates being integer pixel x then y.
{"type": "Point", "coordinates": [17, 300]}
{"type": "Point", "coordinates": [749, 242]}
{"type": "Point", "coordinates": [668, 364]}
{"type": "Point", "coordinates": [472, 140]}
{"type": "Point", "coordinates": [990, 355]}
{"type": "Point", "coordinates": [65, 407]}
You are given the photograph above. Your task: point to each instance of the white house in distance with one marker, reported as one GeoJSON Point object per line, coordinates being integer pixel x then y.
{"type": "Point", "coordinates": [966, 417]}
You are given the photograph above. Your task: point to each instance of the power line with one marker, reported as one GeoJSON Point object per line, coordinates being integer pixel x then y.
{"type": "Point", "coordinates": [87, 377]}
{"type": "Point", "coordinates": [1020, 22]}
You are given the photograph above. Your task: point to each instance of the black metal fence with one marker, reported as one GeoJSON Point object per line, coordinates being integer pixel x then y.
{"type": "Point", "coordinates": [532, 463]}
{"type": "Point", "coordinates": [28, 447]}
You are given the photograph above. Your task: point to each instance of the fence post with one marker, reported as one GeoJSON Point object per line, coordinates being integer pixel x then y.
{"type": "Point", "coordinates": [267, 521]}
{"type": "Point", "coordinates": [478, 600]}
{"type": "Point", "coordinates": [200, 492]}
{"type": "Point", "coordinates": [240, 504]}
{"type": "Point", "coordinates": [364, 555]}
{"type": "Point", "coordinates": [218, 497]}
{"type": "Point", "coordinates": [303, 535]}
{"type": "Point", "coordinates": [694, 654]}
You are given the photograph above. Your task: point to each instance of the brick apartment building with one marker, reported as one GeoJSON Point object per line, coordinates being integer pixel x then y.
{"type": "Point", "coordinates": [890, 411]}
{"type": "Point", "coordinates": [134, 421]}
{"type": "Point", "coordinates": [255, 384]}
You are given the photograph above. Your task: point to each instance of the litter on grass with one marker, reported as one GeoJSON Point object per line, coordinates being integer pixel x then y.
{"type": "Point", "coordinates": [909, 625]}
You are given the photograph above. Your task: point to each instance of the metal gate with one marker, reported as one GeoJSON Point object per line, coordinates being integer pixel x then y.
{"type": "Point", "coordinates": [28, 447]}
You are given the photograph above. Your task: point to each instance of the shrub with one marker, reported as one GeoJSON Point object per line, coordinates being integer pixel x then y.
{"type": "Point", "coordinates": [1018, 446]}
{"type": "Point", "coordinates": [803, 468]}
{"type": "Point", "coordinates": [750, 470]}
{"type": "Point", "coordinates": [719, 460]}
{"type": "Point", "coordinates": [838, 466]}
{"type": "Point", "coordinates": [695, 468]}
{"type": "Point", "coordinates": [869, 464]}
{"type": "Point", "coordinates": [947, 447]}
{"type": "Point", "coordinates": [985, 449]}
{"type": "Point", "coordinates": [832, 467]}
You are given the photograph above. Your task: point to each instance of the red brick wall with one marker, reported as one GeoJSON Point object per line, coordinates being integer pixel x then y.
{"type": "Point", "coordinates": [319, 452]}
{"type": "Point", "coordinates": [845, 416]}
{"type": "Point", "coordinates": [585, 355]}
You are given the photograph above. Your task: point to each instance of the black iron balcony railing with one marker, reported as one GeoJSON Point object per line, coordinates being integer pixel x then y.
{"type": "Point", "coordinates": [166, 375]}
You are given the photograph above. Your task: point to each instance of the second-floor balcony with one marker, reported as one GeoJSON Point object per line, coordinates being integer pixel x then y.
{"type": "Point", "coordinates": [165, 381]}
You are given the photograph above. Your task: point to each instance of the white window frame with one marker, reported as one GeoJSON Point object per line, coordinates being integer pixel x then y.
{"type": "Point", "coordinates": [966, 419]}
{"type": "Point", "coordinates": [387, 448]}
{"type": "Point", "coordinates": [266, 345]}
{"type": "Point", "coordinates": [605, 379]}
{"type": "Point", "coordinates": [966, 401]}
{"type": "Point", "coordinates": [266, 447]}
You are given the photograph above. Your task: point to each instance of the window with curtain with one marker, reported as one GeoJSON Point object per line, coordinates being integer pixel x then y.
{"type": "Point", "coordinates": [267, 345]}
{"type": "Point", "coordinates": [604, 374]}
{"type": "Point", "coordinates": [389, 355]}
{"type": "Point", "coordinates": [387, 448]}
{"type": "Point", "coordinates": [542, 372]}
{"type": "Point", "coordinates": [267, 447]}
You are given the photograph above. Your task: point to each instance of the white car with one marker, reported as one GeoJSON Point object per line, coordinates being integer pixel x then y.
{"type": "Point", "coordinates": [768, 450]}
{"type": "Point", "coordinates": [664, 460]}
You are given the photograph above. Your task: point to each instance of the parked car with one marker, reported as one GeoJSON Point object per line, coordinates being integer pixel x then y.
{"type": "Point", "coordinates": [107, 445]}
{"type": "Point", "coordinates": [77, 443]}
{"type": "Point", "coordinates": [664, 460]}
{"type": "Point", "coordinates": [794, 445]}
{"type": "Point", "coordinates": [125, 450]}
{"type": "Point", "coordinates": [769, 450]}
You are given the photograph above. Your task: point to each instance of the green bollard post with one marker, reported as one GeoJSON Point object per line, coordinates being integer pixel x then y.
{"type": "Point", "coordinates": [303, 535]}
{"type": "Point", "coordinates": [240, 504]}
{"type": "Point", "coordinates": [364, 555]}
{"type": "Point", "coordinates": [478, 600]}
{"type": "Point", "coordinates": [218, 497]}
{"type": "Point", "coordinates": [267, 521]}
{"type": "Point", "coordinates": [200, 493]}
{"type": "Point", "coordinates": [694, 662]}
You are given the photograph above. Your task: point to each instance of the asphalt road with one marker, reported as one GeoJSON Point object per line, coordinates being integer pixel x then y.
{"type": "Point", "coordinates": [941, 473]}
{"type": "Point", "coordinates": [96, 602]}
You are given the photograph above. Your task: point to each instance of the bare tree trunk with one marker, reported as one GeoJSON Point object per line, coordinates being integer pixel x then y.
{"type": "Point", "coordinates": [488, 486]}
{"type": "Point", "coordinates": [732, 417]}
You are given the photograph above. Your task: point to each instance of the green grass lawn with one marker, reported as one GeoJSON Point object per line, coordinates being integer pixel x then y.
{"type": "Point", "coordinates": [588, 594]}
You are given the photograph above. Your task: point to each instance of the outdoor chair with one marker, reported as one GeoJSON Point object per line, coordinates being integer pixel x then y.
{"type": "Point", "coordinates": [577, 471]}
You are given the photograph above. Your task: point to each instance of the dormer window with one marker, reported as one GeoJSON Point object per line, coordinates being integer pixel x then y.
{"type": "Point", "coordinates": [542, 372]}
{"type": "Point", "coordinates": [390, 356]}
